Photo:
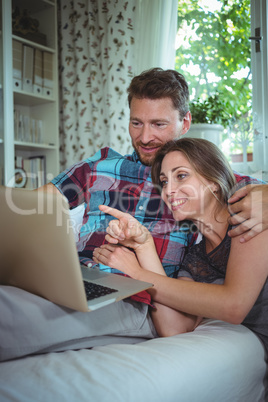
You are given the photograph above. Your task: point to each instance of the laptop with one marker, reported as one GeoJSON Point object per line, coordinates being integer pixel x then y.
{"type": "Point", "coordinates": [38, 253]}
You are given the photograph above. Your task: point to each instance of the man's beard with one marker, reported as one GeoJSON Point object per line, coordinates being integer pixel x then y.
{"type": "Point", "coordinates": [147, 161]}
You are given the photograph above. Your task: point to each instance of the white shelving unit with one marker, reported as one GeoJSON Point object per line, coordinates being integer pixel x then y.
{"type": "Point", "coordinates": [38, 107]}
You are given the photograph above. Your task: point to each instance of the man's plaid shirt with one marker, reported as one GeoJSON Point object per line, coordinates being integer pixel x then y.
{"type": "Point", "coordinates": [121, 182]}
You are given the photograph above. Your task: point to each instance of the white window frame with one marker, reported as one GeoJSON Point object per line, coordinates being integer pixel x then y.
{"type": "Point", "coordinates": [259, 65]}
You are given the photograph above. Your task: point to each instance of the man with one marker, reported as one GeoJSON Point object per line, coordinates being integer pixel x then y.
{"type": "Point", "coordinates": [159, 112]}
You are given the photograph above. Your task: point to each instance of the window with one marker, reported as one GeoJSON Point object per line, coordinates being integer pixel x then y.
{"type": "Point", "coordinates": [214, 54]}
{"type": "Point", "coordinates": [259, 19]}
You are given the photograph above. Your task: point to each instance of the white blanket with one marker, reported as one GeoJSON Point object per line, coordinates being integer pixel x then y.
{"type": "Point", "coordinates": [217, 362]}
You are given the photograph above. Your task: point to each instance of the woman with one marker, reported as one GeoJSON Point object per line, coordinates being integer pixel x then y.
{"type": "Point", "coordinates": [223, 278]}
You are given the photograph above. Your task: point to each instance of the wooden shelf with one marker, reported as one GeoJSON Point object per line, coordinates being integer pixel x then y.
{"type": "Point", "coordinates": [30, 99]}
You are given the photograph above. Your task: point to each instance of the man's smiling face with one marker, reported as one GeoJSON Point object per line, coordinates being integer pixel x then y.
{"type": "Point", "coordinates": [152, 123]}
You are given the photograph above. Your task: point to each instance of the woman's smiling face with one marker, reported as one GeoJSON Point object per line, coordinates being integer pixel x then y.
{"type": "Point", "coordinates": [186, 193]}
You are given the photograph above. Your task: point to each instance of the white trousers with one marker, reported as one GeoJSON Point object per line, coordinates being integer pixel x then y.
{"type": "Point", "coordinates": [32, 325]}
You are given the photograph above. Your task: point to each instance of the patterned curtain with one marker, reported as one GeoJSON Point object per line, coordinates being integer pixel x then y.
{"type": "Point", "coordinates": [98, 57]}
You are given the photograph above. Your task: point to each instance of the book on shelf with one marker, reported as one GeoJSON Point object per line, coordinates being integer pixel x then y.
{"type": "Point", "coordinates": [33, 171]}
{"type": "Point", "coordinates": [27, 129]}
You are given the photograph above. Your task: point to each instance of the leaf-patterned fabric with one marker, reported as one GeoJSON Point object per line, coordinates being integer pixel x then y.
{"type": "Point", "coordinates": [98, 58]}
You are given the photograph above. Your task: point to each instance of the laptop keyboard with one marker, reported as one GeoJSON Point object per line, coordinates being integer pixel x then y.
{"type": "Point", "coordinates": [94, 290]}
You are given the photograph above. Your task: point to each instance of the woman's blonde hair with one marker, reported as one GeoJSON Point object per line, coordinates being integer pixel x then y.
{"type": "Point", "coordinates": [207, 160]}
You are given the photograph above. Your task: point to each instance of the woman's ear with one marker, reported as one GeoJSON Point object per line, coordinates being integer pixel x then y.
{"type": "Point", "coordinates": [215, 188]}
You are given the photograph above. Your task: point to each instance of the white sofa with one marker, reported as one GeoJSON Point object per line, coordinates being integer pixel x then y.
{"type": "Point", "coordinates": [217, 362]}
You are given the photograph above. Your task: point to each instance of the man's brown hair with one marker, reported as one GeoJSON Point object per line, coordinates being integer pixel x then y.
{"type": "Point", "coordinates": [157, 83]}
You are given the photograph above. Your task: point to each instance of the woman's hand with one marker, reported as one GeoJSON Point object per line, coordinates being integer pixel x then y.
{"type": "Point", "coordinates": [126, 230]}
{"type": "Point", "coordinates": [117, 257]}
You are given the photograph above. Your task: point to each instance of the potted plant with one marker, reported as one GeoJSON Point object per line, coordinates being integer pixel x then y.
{"type": "Point", "coordinates": [209, 118]}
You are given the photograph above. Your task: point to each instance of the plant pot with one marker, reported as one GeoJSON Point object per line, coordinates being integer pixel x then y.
{"type": "Point", "coordinates": [239, 157]}
{"type": "Point", "coordinates": [210, 132]}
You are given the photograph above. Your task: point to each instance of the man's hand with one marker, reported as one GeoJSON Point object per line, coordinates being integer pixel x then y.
{"type": "Point", "coordinates": [249, 209]}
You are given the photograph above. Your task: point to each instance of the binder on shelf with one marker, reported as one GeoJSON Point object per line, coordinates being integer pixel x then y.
{"type": "Point", "coordinates": [27, 72]}
{"type": "Point", "coordinates": [47, 74]}
{"type": "Point", "coordinates": [17, 52]}
{"type": "Point", "coordinates": [37, 72]}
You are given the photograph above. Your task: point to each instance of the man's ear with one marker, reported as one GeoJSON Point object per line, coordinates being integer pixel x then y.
{"type": "Point", "coordinates": [186, 122]}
